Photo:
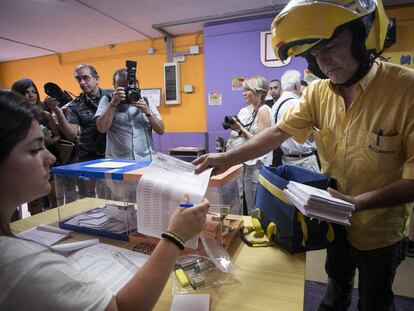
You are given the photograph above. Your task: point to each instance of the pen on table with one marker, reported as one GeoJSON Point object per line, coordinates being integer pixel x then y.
{"type": "Point", "coordinates": [185, 205]}
{"type": "Point", "coordinates": [122, 259]}
{"type": "Point", "coordinates": [379, 134]}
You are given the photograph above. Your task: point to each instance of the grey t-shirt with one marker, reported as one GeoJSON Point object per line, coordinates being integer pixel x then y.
{"type": "Point", "coordinates": [81, 111]}
{"type": "Point", "coordinates": [130, 135]}
{"type": "Point", "coordinates": [34, 278]}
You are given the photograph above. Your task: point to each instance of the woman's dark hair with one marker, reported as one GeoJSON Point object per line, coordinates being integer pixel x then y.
{"type": "Point", "coordinates": [16, 116]}
{"type": "Point", "coordinates": [21, 86]}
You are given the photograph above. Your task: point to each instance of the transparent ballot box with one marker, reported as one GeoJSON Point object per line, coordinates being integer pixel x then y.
{"type": "Point", "coordinates": [93, 197]}
{"type": "Point", "coordinates": [223, 189]}
{"type": "Point", "coordinates": [99, 197]}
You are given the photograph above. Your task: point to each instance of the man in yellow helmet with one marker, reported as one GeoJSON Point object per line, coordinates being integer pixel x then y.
{"type": "Point", "coordinates": [361, 114]}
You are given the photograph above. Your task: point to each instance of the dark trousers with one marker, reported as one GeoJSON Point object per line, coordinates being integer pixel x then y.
{"type": "Point", "coordinates": [376, 268]}
{"type": "Point", "coordinates": [91, 188]}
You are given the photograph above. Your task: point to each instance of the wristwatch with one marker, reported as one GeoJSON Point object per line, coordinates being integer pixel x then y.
{"type": "Point", "coordinates": [149, 114]}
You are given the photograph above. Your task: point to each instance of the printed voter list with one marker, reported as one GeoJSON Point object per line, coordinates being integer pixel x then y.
{"type": "Point", "coordinates": [162, 188]}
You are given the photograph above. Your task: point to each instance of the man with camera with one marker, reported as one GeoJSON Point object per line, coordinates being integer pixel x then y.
{"type": "Point", "coordinates": [79, 119]}
{"type": "Point", "coordinates": [78, 125]}
{"type": "Point", "coordinates": [128, 119]}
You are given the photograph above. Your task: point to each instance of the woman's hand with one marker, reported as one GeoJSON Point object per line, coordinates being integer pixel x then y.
{"type": "Point", "coordinates": [187, 222]}
{"type": "Point", "coordinates": [236, 126]}
{"type": "Point", "coordinates": [51, 103]}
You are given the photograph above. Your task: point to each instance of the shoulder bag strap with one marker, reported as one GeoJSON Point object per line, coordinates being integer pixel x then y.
{"type": "Point", "coordinates": [280, 106]}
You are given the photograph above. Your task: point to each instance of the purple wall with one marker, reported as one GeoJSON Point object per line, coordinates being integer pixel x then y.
{"type": "Point", "coordinates": [233, 49]}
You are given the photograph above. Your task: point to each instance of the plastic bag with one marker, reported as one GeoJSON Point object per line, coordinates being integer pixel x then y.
{"type": "Point", "coordinates": [197, 272]}
{"type": "Point", "coordinates": [217, 254]}
{"type": "Point", "coordinates": [210, 268]}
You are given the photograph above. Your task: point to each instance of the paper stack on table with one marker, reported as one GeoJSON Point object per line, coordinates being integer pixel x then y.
{"type": "Point", "coordinates": [318, 203]}
{"type": "Point", "coordinates": [113, 218]}
{"type": "Point", "coordinates": [44, 234]}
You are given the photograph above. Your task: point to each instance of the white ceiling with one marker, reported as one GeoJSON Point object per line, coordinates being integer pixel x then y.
{"type": "Point", "coordinates": [31, 28]}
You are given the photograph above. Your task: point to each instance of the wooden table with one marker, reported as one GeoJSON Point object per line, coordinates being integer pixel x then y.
{"type": "Point", "coordinates": [268, 278]}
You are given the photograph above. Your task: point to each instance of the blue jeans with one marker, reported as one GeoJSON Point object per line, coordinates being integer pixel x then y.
{"type": "Point", "coordinates": [247, 183]}
{"type": "Point", "coordinates": [376, 268]}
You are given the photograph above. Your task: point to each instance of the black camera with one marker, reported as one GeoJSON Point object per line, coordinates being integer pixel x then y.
{"type": "Point", "coordinates": [229, 121]}
{"type": "Point", "coordinates": [53, 90]}
{"type": "Point", "coordinates": [132, 92]}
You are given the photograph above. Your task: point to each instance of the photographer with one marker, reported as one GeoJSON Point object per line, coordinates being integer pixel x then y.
{"type": "Point", "coordinates": [80, 115]}
{"type": "Point", "coordinates": [128, 122]}
{"type": "Point", "coordinates": [80, 126]}
{"type": "Point", "coordinates": [250, 121]}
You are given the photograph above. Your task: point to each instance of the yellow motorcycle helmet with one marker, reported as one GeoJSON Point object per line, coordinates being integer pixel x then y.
{"type": "Point", "coordinates": [303, 24]}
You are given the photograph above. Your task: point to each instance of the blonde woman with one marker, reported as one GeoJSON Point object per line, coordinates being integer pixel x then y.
{"type": "Point", "coordinates": [251, 120]}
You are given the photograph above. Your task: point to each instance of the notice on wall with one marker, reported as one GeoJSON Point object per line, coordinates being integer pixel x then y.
{"type": "Point", "coordinates": [308, 76]}
{"type": "Point", "coordinates": [153, 95]}
{"type": "Point", "coordinates": [237, 83]}
{"type": "Point", "coordinates": [214, 98]}
{"type": "Point", "coordinates": [267, 55]}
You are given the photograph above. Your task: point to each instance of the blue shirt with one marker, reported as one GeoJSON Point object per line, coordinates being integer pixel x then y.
{"type": "Point", "coordinates": [130, 135]}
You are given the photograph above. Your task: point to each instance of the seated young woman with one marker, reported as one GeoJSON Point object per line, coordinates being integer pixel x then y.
{"type": "Point", "coordinates": [32, 276]}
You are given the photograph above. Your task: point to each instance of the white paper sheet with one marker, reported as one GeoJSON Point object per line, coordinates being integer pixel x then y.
{"type": "Point", "coordinates": [74, 246]}
{"type": "Point", "coordinates": [109, 164]}
{"type": "Point", "coordinates": [42, 236]}
{"type": "Point", "coordinates": [191, 302]}
{"type": "Point", "coordinates": [112, 266]}
{"type": "Point", "coordinates": [160, 190]}
{"type": "Point", "coordinates": [48, 228]}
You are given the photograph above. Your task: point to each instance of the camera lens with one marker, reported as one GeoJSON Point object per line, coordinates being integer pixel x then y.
{"type": "Point", "coordinates": [227, 122]}
{"type": "Point", "coordinates": [134, 95]}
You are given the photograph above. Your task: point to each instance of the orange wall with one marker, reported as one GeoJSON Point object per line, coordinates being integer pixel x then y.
{"type": "Point", "coordinates": [189, 116]}
{"type": "Point", "coordinates": [405, 26]}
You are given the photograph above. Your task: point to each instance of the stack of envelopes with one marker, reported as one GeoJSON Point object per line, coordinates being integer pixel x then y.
{"type": "Point", "coordinates": [112, 218]}
{"type": "Point", "coordinates": [318, 203]}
